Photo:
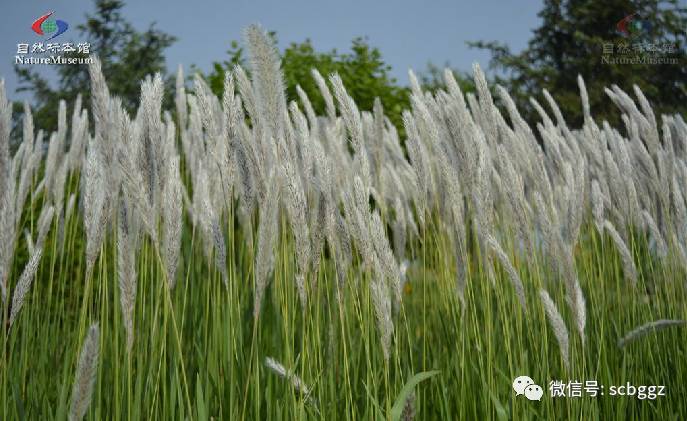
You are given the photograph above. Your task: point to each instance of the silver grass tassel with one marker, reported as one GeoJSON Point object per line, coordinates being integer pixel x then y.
{"type": "Point", "coordinates": [597, 206]}
{"type": "Point", "coordinates": [386, 256]}
{"type": "Point", "coordinates": [86, 374]}
{"type": "Point", "coordinates": [172, 210]}
{"type": "Point", "coordinates": [267, 237]}
{"type": "Point", "coordinates": [578, 305]}
{"type": "Point", "coordinates": [126, 270]}
{"type": "Point", "coordinates": [629, 267]}
{"type": "Point", "coordinates": [24, 284]}
{"type": "Point", "coordinates": [647, 328]}
{"type": "Point", "coordinates": [509, 268]}
{"type": "Point", "coordinates": [296, 206]}
{"type": "Point", "coordinates": [267, 81]}
{"type": "Point", "coordinates": [26, 279]}
{"type": "Point", "coordinates": [351, 116]}
{"type": "Point", "coordinates": [296, 382]}
{"type": "Point", "coordinates": [382, 308]}
{"type": "Point", "coordinates": [5, 127]}
{"type": "Point", "coordinates": [558, 326]}
{"type": "Point", "coordinates": [661, 246]}
{"type": "Point", "coordinates": [94, 187]}
{"type": "Point", "coordinates": [326, 94]}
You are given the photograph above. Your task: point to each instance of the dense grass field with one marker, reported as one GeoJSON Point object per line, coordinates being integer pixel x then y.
{"type": "Point", "coordinates": [238, 258]}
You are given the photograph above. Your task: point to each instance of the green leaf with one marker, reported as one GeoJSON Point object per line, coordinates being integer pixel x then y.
{"type": "Point", "coordinates": [375, 405]}
{"type": "Point", "coordinates": [18, 402]}
{"type": "Point", "coordinates": [200, 402]}
{"type": "Point", "coordinates": [400, 402]}
{"type": "Point", "coordinates": [501, 412]}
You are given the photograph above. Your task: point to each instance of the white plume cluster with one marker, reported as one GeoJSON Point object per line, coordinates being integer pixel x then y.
{"type": "Point", "coordinates": [348, 184]}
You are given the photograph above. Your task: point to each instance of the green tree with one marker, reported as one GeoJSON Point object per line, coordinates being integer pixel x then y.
{"type": "Point", "coordinates": [363, 71]}
{"type": "Point", "coordinates": [127, 56]}
{"type": "Point", "coordinates": [571, 40]}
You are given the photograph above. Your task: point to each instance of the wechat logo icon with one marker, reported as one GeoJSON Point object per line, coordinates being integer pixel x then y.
{"type": "Point", "coordinates": [524, 385]}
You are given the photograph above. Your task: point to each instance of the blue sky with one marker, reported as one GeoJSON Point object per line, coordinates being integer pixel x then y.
{"type": "Point", "coordinates": [409, 33]}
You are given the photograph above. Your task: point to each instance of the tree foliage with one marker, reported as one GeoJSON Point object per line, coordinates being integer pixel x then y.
{"type": "Point", "coordinates": [571, 41]}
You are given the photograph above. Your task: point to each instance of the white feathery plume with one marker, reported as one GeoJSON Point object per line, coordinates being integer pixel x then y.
{"type": "Point", "coordinates": [220, 252]}
{"type": "Point", "coordinates": [558, 326]}
{"type": "Point", "coordinates": [584, 97]}
{"type": "Point", "coordinates": [486, 103]}
{"type": "Point", "coordinates": [86, 374]}
{"type": "Point", "coordinates": [30, 246]}
{"type": "Point", "coordinates": [629, 267]}
{"type": "Point", "coordinates": [24, 284]}
{"type": "Point", "coordinates": [127, 240]}
{"type": "Point", "coordinates": [151, 156]}
{"type": "Point", "coordinates": [94, 198]}
{"type": "Point", "coordinates": [597, 206]}
{"type": "Point", "coordinates": [578, 304]}
{"type": "Point", "coordinates": [318, 222]}
{"type": "Point", "coordinates": [385, 256]}
{"type": "Point", "coordinates": [399, 229]}
{"type": "Point", "coordinates": [5, 127]}
{"type": "Point", "coordinates": [267, 237]}
{"type": "Point", "coordinates": [26, 279]}
{"type": "Point", "coordinates": [268, 81]}
{"type": "Point", "coordinates": [79, 135]}
{"type": "Point", "coordinates": [172, 210]}
{"type": "Point", "coordinates": [326, 94]}
{"type": "Point", "coordinates": [661, 246]}
{"type": "Point", "coordinates": [309, 110]}
{"type": "Point", "coordinates": [246, 90]}
{"type": "Point", "coordinates": [45, 220]}
{"type": "Point", "coordinates": [381, 302]}
{"type": "Point", "coordinates": [287, 374]}
{"type": "Point", "coordinates": [180, 99]}
{"type": "Point", "coordinates": [296, 205]}
{"type": "Point", "coordinates": [71, 203]}
{"type": "Point", "coordinates": [31, 158]}
{"type": "Point", "coordinates": [509, 268]}
{"type": "Point", "coordinates": [6, 191]}
{"type": "Point", "coordinates": [647, 328]}
{"type": "Point", "coordinates": [351, 116]}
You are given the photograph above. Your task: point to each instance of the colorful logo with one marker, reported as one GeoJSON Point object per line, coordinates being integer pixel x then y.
{"type": "Point", "coordinates": [46, 26]}
{"type": "Point", "coordinates": [632, 26]}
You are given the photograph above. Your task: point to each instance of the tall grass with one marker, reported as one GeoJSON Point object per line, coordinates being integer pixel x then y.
{"type": "Point", "coordinates": [244, 259]}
